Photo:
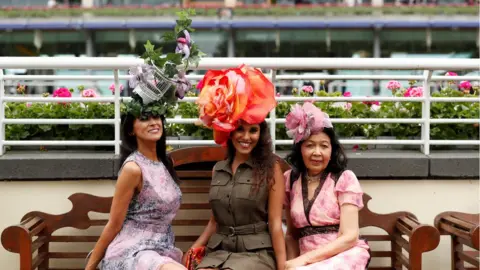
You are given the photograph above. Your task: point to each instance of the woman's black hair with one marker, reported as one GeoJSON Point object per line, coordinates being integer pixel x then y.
{"type": "Point", "coordinates": [262, 158]}
{"type": "Point", "coordinates": [129, 144]}
{"type": "Point", "coordinates": [337, 164]}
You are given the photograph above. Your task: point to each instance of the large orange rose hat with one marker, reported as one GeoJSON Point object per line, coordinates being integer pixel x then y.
{"type": "Point", "coordinates": [230, 95]}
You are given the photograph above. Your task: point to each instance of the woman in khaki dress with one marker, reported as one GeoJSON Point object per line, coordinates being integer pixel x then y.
{"type": "Point", "coordinates": [247, 188]}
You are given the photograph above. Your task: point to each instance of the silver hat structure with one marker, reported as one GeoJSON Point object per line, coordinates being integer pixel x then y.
{"type": "Point", "coordinates": [161, 80]}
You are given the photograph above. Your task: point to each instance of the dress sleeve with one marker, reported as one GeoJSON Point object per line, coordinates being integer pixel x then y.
{"type": "Point", "coordinates": [348, 190]}
{"type": "Point", "coordinates": [286, 175]}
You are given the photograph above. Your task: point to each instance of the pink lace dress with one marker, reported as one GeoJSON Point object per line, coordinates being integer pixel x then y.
{"type": "Point", "coordinates": [146, 241]}
{"type": "Point", "coordinates": [324, 210]}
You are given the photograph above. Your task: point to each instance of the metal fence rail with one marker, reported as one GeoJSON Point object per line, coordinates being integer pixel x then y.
{"type": "Point", "coordinates": [271, 64]}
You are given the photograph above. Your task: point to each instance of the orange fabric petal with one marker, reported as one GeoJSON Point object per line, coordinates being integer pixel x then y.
{"type": "Point", "coordinates": [262, 99]}
{"type": "Point", "coordinates": [220, 137]}
{"type": "Point", "coordinates": [224, 98]}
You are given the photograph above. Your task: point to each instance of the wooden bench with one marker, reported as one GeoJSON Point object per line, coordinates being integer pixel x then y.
{"type": "Point", "coordinates": [46, 241]}
{"type": "Point", "coordinates": [463, 229]}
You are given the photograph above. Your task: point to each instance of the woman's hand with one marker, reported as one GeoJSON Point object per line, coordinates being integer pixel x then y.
{"type": "Point", "coordinates": [184, 258]}
{"type": "Point", "coordinates": [292, 264]}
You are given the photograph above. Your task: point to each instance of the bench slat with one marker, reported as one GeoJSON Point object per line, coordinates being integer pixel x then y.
{"type": "Point", "coordinates": [195, 189]}
{"type": "Point", "coordinates": [402, 259]}
{"type": "Point", "coordinates": [74, 238]}
{"type": "Point", "coordinates": [469, 259]}
{"type": "Point", "coordinates": [382, 254]}
{"type": "Point", "coordinates": [67, 255]}
{"type": "Point", "coordinates": [194, 174]}
{"type": "Point", "coordinates": [402, 242]}
{"type": "Point", "coordinates": [199, 206]}
{"type": "Point", "coordinates": [39, 259]}
{"type": "Point", "coordinates": [66, 268]}
{"type": "Point", "coordinates": [458, 222]}
{"type": "Point", "coordinates": [38, 243]}
{"type": "Point", "coordinates": [189, 222]}
{"type": "Point", "coordinates": [186, 238]}
{"type": "Point", "coordinates": [374, 238]}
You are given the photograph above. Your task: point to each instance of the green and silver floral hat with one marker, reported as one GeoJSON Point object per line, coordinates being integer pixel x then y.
{"type": "Point", "coordinates": [161, 80]}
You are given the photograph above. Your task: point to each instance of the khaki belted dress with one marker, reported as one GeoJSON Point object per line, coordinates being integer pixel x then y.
{"type": "Point", "coordinates": [242, 240]}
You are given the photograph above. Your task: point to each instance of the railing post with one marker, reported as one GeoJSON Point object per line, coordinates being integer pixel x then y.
{"type": "Point", "coordinates": [117, 112]}
{"type": "Point", "coordinates": [2, 113]}
{"type": "Point", "coordinates": [273, 115]}
{"type": "Point", "coordinates": [427, 75]}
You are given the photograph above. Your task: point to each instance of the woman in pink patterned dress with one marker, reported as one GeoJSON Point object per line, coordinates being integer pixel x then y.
{"type": "Point", "coordinates": [139, 235]}
{"type": "Point", "coordinates": [323, 199]}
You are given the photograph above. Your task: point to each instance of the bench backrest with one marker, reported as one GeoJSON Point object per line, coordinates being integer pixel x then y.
{"type": "Point", "coordinates": [194, 167]}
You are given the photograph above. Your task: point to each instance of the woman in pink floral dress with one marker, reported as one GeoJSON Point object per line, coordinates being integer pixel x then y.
{"type": "Point", "coordinates": [323, 199]}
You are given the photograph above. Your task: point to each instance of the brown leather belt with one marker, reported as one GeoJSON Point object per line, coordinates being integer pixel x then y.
{"type": "Point", "coordinates": [243, 230]}
{"type": "Point", "coordinates": [312, 230]}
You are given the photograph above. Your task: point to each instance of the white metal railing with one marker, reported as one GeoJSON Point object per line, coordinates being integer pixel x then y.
{"type": "Point", "coordinates": [272, 64]}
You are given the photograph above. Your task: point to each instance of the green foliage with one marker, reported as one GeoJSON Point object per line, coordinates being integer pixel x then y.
{"type": "Point", "coordinates": [190, 110]}
{"type": "Point", "coordinates": [246, 11]}
{"type": "Point", "coordinates": [169, 62]}
{"type": "Point", "coordinates": [59, 111]}
{"type": "Point", "coordinates": [91, 110]}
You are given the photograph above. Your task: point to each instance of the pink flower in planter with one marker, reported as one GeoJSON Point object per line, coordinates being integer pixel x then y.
{"type": "Point", "coordinates": [451, 73]}
{"type": "Point", "coordinates": [307, 89]}
{"type": "Point", "coordinates": [277, 94]}
{"type": "Point", "coordinates": [347, 94]}
{"type": "Point", "coordinates": [62, 92]}
{"type": "Point", "coordinates": [370, 103]}
{"type": "Point", "coordinates": [393, 86]}
{"type": "Point", "coordinates": [112, 88]}
{"type": "Point", "coordinates": [348, 106]}
{"type": "Point", "coordinates": [28, 104]}
{"type": "Point", "coordinates": [414, 92]}
{"type": "Point", "coordinates": [89, 93]}
{"type": "Point", "coordinates": [465, 86]}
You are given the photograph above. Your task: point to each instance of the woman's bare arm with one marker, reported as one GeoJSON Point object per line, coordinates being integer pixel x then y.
{"type": "Point", "coordinates": [348, 236]}
{"type": "Point", "coordinates": [128, 181]}
{"type": "Point", "coordinates": [293, 250]}
{"type": "Point", "coordinates": [275, 208]}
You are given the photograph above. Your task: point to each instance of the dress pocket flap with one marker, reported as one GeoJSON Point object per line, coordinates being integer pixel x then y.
{"type": "Point", "coordinates": [215, 240]}
{"type": "Point", "coordinates": [220, 180]}
{"type": "Point", "coordinates": [257, 241]}
{"type": "Point", "coordinates": [245, 179]}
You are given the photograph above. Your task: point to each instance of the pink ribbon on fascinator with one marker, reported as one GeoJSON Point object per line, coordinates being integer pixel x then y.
{"type": "Point", "coordinates": [303, 121]}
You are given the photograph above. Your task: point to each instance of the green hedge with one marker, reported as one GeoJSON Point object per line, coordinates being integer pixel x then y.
{"type": "Point", "coordinates": [455, 110]}
{"type": "Point", "coordinates": [273, 11]}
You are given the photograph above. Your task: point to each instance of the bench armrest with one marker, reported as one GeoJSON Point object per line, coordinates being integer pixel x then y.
{"type": "Point", "coordinates": [421, 238]}
{"type": "Point", "coordinates": [461, 225]}
{"type": "Point", "coordinates": [25, 238]}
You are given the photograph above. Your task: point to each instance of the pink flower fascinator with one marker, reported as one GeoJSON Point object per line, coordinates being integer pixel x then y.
{"type": "Point", "coordinates": [305, 120]}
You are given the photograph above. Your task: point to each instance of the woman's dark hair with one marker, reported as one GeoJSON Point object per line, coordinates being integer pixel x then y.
{"type": "Point", "coordinates": [337, 164]}
{"type": "Point", "coordinates": [262, 158]}
{"type": "Point", "coordinates": [129, 144]}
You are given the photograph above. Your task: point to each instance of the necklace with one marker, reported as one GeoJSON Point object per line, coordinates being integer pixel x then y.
{"type": "Point", "coordinates": [315, 178]}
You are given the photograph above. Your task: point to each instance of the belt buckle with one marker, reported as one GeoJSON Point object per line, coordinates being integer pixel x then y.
{"type": "Point", "coordinates": [231, 230]}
